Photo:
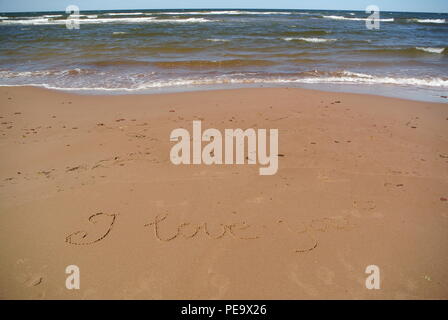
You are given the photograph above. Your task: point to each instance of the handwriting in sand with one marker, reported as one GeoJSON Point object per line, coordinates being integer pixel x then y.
{"type": "Point", "coordinates": [188, 230]}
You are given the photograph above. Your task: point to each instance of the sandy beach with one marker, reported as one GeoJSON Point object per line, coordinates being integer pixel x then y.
{"type": "Point", "coordinates": [87, 180]}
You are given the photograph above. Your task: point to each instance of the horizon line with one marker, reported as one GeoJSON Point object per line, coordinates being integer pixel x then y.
{"type": "Point", "coordinates": [276, 9]}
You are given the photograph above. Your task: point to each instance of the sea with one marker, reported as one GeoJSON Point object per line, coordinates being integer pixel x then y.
{"type": "Point", "coordinates": [157, 51]}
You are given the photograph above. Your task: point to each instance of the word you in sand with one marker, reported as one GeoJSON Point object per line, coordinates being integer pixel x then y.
{"type": "Point", "coordinates": [234, 143]}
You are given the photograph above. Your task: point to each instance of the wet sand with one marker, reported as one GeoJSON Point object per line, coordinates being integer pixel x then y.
{"type": "Point", "coordinates": [87, 180]}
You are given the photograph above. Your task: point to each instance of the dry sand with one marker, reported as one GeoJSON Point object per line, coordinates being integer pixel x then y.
{"type": "Point", "coordinates": [362, 180]}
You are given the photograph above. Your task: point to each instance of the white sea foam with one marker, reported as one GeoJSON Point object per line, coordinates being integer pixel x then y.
{"type": "Point", "coordinates": [35, 17]}
{"type": "Point", "coordinates": [354, 77]}
{"type": "Point", "coordinates": [14, 74]}
{"type": "Point", "coordinates": [231, 12]}
{"type": "Point", "coordinates": [38, 21]}
{"type": "Point", "coordinates": [218, 40]}
{"type": "Point", "coordinates": [345, 77]}
{"type": "Point", "coordinates": [175, 13]}
{"type": "Point", "coordinates": [313, 40]}
{"type": "Point", "coordinates": [189, 20]}
{"type": "Point", "coordinates": [356, 19]}
{"type": "Point", "coordinates": [124, 14]}
{"type": "Point", "coordinates": [266, 12]}
{"type": "Point", "coordinates": [45, 21]}
{"type": "Point", "coordinates": [42, 73]}
{"type": "Point", "coordinates": [431, 50]}
{"type": "Point", "coordinates": [429, 20]}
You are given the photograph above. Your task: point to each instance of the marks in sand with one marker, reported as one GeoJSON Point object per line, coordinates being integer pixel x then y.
{"type": "Point", "coordinates": [80, 238]}
{"type": "Point", "coordinates": [304, 233]}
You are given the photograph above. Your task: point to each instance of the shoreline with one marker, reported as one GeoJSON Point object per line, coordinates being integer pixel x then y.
{"type": "Point", "coordinates": [87, 180]}
{"type": "Point", "coordinates": [357, 89]}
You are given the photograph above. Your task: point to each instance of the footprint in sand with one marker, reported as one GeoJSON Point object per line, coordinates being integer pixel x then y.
{"type": "Point", "coordinates": [394, 186]}
{"type": "Point", "coordinates": [364, 205]}
{"type": "Point", "coordinates": [412, 123]}
{"type": "Point", "coordinates": [366, 208]}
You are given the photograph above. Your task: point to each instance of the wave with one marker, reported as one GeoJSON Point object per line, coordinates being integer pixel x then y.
{"type": "Point", "coordinates": [314, 32]}
{"type": "Point", "coordinates": [273, 81]}
{"type": "Point", "coordinates": [196, 13]}
{"type": "Point", "coordinates": [313, 40]}
{"type": "Point", "coordinates": [229, 12]}
{"type": "Point", "coordinates": [174, 64]}
{"type": "Point", "coordinates": [361, 78]}
{"type": "Point", "coordinates": [293, 34]}
{"type": "Point", "coordinates": [154, 20]}
{"type": "Point", "coordinates": [124, 14]}
{"type": "Point", "coordinates": [168, 49]}
{"type": "Point", "coordinates": [402, 51]}
{"type": "Point", "coordinates": [46, 21]}
{"type": "Point", "coordinates": [356, 19]}
{"type": "Point", "coordinates": [311, 77]}
{"type": "Point", "coordinates": [15, 74]}
{"type": "Point", "coordinates": [265, 12]}
{"type": "Point", "coordinates": [201, 64]}
{"type": "Point", "coordinates": [431, 50]}
{"type": "Point", "coordinates": [427, 20]}
{"type": "Point", "coordinates": [44, 73]}
{"type": "Point", "coordinates": [218, 40]}
{"type": "Point", "coordinates": [31, 22]}
{"type": "Point", "coordinates": [111, 63]}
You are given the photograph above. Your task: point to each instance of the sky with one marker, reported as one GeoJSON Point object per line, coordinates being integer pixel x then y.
{"type": "Point", "coordinates": [385, 5]}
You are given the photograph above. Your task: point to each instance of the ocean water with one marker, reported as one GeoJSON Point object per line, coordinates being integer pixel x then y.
{"type": "Point", "coordinates": [176, 50]}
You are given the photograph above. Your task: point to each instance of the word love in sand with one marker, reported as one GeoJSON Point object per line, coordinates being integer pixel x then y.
{"type": "Point", "coordinates": [234, 144]}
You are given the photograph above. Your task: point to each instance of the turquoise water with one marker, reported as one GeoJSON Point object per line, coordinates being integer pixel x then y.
{"type": "Point", "coordinates": [157, 51]}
